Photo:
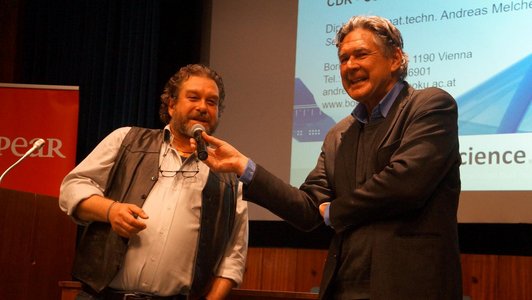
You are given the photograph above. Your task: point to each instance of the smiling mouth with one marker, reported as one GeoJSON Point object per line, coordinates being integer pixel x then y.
{"type": "Point", "coordinates": [356, 81]}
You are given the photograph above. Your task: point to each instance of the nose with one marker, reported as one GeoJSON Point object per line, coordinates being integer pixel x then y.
{"type": "Point", "coordinates": [352, 63]}
{"type": "Point", "coordinates": [201, 105]}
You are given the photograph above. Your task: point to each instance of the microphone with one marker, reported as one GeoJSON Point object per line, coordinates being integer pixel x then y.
{"type": "Point", "coordinates": [201, 149]}
{"type": "Point", "coordinates": [36, 146]}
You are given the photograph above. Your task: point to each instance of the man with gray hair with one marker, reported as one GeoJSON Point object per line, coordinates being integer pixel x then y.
{"type": "Point", "coordinates": [387, 179]}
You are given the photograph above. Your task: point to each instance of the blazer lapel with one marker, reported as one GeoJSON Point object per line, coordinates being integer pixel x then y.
{"type": "Point", "coordinates": [394, 113]}
{"type": "Point", "coordinates": [345, 166]}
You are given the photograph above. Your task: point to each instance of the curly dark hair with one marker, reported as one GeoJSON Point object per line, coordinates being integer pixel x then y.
{"type": "Point", "coordinates": [171, 89]}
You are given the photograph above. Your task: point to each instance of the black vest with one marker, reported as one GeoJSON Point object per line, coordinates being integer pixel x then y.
{"type": "Point", "coordinates": [101, 251]}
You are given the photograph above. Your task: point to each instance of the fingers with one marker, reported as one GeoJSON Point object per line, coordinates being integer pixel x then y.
{"type": "Point", "coordinates": [137, 211]}
{"type": "Point", "coordinates": [223, 157]}
{"type": "Point", "coordinates": [193, 144]}
{"type": "Point", "coordinates": [212, 140]}
{"type": "Point", "coordinates": [125, 220]}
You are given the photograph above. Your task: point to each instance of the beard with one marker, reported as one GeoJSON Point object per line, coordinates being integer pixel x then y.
{"type": "Point", "coordinates": [182, 124]}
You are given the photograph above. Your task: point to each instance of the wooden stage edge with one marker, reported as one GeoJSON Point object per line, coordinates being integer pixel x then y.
{"type": "Point", "coordinates": [69, 290]}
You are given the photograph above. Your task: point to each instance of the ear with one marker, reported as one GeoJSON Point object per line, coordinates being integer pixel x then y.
{"type": "Point", "coordinates": [397, 59]}
{"type": "Point", "coordinates": [171, 106]}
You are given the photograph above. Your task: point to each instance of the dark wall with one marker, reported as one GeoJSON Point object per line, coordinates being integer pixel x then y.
{"type": "Point", "coordinates": [8, 38]}
{"type": "Point", "coordinates": [493, 239]}
{"type": "Point", "coordinates": [119, 52]}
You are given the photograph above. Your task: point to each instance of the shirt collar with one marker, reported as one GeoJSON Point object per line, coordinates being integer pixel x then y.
{"type": "Point", "coordinates": [168, 137]}
{"type": "Point", "coordinates": [382, 109]}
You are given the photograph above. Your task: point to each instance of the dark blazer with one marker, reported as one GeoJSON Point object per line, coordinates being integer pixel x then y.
{"type": "Point", "coordinates": [408, 207]}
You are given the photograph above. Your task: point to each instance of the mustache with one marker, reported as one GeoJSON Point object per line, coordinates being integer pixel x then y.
{"type": "Point", "coordinates": [199, 116]}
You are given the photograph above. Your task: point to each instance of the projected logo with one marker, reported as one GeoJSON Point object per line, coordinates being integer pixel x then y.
{"type": "Point", "coordinates": [310, 123]}
{"type": "Point", "coordinates": [499, 105]}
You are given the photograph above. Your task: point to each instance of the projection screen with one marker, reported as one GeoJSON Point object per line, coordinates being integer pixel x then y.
{"type": "Point", "coordinates": [284, 92]}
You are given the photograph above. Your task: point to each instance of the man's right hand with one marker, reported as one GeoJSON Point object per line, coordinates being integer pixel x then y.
{"type": "Point", "coordinates": [222, 156]}
{"type": "Point", "coordinates": [123, 217]}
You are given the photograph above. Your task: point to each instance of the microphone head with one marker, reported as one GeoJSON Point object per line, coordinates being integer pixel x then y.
{"type": "Point", "coordinates": [38, 144]}
{"type": "Point", "coordinates": [192, 131]}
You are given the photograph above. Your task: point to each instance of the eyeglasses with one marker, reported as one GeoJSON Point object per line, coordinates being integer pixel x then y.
{"type": "Point", "coordinates": [184, 173]}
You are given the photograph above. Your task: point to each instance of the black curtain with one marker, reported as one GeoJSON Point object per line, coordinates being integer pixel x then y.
{"type": "Point", "coordinates": [119, 52]}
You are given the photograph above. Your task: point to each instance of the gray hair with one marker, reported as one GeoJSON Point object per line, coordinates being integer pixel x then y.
{"type": "Point", "coordinates": [385, 33]}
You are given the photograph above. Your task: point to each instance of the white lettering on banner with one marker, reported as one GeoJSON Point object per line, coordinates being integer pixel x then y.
{"type": "Point", "coordinates": [19, 145]}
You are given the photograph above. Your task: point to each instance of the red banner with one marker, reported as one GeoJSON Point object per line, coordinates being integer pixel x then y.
{"type": "Point", "coordinates": [30, 112]}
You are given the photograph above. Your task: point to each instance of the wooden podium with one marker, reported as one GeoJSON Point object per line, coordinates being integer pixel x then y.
{"type": "Point", "coordinates": [37, 246]}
